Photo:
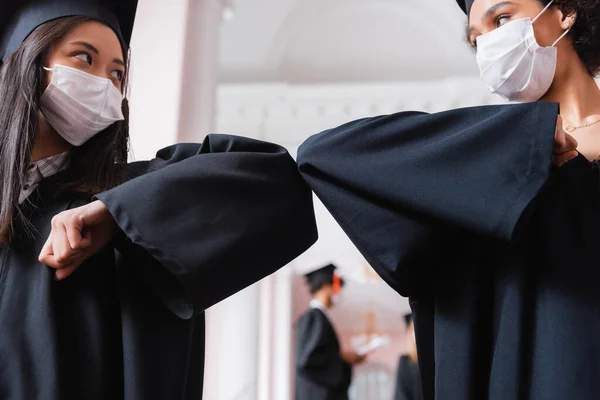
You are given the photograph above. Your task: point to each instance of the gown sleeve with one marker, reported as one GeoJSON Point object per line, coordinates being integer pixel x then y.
{"type": "Point", "coordinates": [205, 221]}
{"type": "Point", "coordinates": [316, 358]}
{"type": "Point", "coordinates": [406, 186]}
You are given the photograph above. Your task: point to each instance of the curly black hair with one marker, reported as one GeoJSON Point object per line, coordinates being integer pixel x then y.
{"type": "Point", "coordinates": [585, 34]}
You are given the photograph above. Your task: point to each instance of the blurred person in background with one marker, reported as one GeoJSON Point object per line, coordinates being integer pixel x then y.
{"type": "Point", "coordinates": [408, 379]}
{"type": "Point", "coordinates": [323, 371]}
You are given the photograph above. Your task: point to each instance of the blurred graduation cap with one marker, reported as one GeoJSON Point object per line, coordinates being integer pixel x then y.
{"type": "Point", "coordinates": [408, 319]}
{"type": "Point", "coordinates": [20, 18]}
{"type": "Point", "coordinates": [324, 275]}
{"type": "Point", "coordinates": [465, 5]}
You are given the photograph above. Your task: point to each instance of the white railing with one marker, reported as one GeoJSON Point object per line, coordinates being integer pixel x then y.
{"type": "Point", "coordinates": [288, 114]}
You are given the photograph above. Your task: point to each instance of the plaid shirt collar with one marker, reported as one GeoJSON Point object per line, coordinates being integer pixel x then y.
{"type": "Point", "coordinates": [39, 170]}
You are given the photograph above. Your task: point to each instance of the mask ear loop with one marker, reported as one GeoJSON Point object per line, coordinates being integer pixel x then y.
{"type": "Point", "coordinates": [543, 11]}
{"type": "Point", "coordinates": [561, 36]}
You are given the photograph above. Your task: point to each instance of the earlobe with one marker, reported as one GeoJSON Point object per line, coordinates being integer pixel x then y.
{"type": "Point", "coordinates": [567, 21]}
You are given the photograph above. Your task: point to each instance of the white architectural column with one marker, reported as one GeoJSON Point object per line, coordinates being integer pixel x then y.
{"type": "Point", "coordinates": [232, 348]}
{"type": "Point", "coordinates": [275, 345]}
{"type": "Point", "coordinates": [200, 69]}
{"type": "Point", "coordinates": [282, 337]}
{"type": "Point", "coordinates": [155, 75]}
{"type": "Point", "coordinates": [174, 72]}
{"type": "Point", "coordinates": [265, 344]}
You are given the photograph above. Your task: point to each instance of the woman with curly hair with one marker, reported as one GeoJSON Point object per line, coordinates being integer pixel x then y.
{"type": "Point", "coordinates": [486, 217]}
{"type": "Point", "coordinates": [566, 38]}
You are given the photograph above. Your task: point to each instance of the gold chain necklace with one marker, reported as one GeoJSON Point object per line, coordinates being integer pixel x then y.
{"type": "Point", "coordinates": [571, 128]}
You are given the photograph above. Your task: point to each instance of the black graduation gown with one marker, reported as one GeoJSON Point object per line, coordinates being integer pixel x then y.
{"type": "Point", "coordinates": [461, 212]}
{"type": "Point", "coordinates": [199, 224]}
{"type": "Point", "coordinates": [321, 373]}
{"type": "Point", "coordinates": [408, 380]}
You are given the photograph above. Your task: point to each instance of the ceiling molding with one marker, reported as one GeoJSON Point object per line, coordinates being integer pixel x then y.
{"type": "Point", "coordinates": [277, 46]}
{"type": "Point", "coordinates": [305, 15]}
{"type": "Point", "coordinates": [288, 114]}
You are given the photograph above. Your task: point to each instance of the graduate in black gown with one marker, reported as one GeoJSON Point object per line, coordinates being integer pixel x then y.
{"type": "Point", "coordinates": [408, 379]}
{"type": "Point", "coordinates": [106, 267]}
{"type": "Point", "coordinates": [323, 371]}
{"type": "Point", "coordinates": [486, 217]}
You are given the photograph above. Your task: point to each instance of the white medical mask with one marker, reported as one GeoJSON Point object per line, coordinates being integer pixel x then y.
{"type": "Point", "coordinates": [513, 64]}
{"type": "Point", "coordinates": [79, 105]}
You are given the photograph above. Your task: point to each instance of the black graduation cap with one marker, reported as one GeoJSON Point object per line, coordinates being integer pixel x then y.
{"type": "Point", "coordinates": [20, 18]}
{"type": "Point", "coordinates": [465, 5]}
{"type": "Point", "coordinates": [321, 276]}
{"type": "Point", "coordinates": [408, 319]}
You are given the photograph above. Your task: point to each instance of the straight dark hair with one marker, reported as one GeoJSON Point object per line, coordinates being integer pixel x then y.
{"type": "Point", "coordinates": [93, 167]}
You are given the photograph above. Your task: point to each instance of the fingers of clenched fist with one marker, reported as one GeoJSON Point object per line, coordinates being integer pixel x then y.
{"type": "Point", "coordinates": [66, 246]}
{"type": "Point", "coordinates": [76, 235]}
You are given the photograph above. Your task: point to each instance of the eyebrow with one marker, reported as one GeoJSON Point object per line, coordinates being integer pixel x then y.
{"type": "Point", "coordinates": [490, 11]}
{"type": "Point", "coordinates": [95, 51]}
{"type": "Point", "coordinates": [496, 6]}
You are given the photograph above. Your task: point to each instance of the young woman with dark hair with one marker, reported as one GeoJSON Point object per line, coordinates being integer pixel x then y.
{"type": "Point", "coordinates": [106, 267]}
{"type": "Point", "coordinates": [97, 164]}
